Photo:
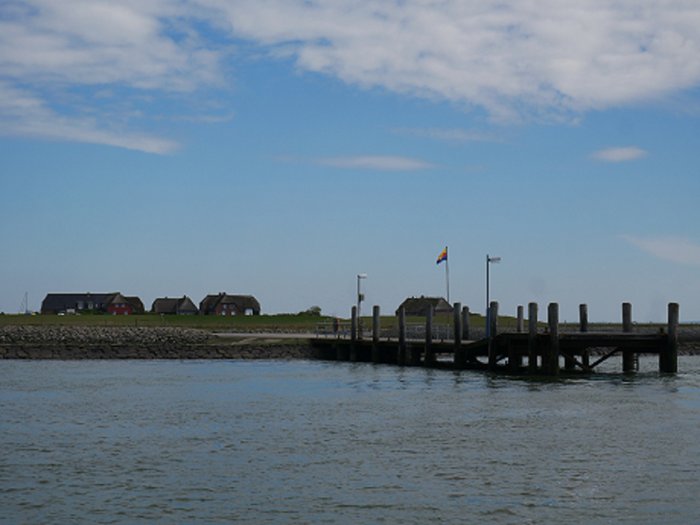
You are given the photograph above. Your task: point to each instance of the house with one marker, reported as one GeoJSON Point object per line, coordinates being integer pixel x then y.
{"type": "Point", "coordinates": [177, 306]}
{"type": "Point", "coordinates": [418, 306]}
{"type": "Point", "coordinates": [71, 303]}
{"type": "Point", "coordinates": [225, 304]}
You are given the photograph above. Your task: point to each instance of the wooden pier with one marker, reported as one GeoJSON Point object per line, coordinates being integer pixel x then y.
{"type": "Point", "coordinates": [542, 351]}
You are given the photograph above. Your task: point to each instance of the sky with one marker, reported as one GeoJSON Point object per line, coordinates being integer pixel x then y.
{"type": "Point", "coordinates": [282, 147]}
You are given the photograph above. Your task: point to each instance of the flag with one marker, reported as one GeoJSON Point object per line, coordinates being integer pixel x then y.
{"type": "Point", "coordinates": [442, 256]}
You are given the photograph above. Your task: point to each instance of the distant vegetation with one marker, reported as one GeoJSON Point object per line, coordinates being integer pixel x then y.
{"type": "Point", "coordinates": [306, 321]}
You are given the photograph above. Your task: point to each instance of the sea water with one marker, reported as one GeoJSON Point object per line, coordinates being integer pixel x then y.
{"type": "Point", "coordinates": [317, 442]}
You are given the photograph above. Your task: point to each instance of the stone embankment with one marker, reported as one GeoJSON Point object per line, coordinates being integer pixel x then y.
{"type": "Point", "coordinates": [52, 342]}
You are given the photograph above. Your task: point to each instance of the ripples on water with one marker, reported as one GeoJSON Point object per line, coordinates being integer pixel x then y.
{"type": "Point", "coordinates": [313, 442]}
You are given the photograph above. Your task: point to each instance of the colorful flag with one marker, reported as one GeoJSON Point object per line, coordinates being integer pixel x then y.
{"type": "Point", "coordinates": [442, 256]}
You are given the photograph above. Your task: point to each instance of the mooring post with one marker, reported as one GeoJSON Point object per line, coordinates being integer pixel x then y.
{"type": "Point", "coordinates": [629, 361]}
{"type": "Point", "coordinates": [583, 327]}
{"type": "Point", "coordinates": [353, 335]}
{"type": "Point", "coordinates": [343, 352]}
{"type": "Point", "coordinates": [552, 367]}
{"type": "Point", "coordinates": [515, 357]}
{"type": "Point", "coordinates": [583, 317]}
{"type": "Point", "coordinates": [466, 331]}
{"type": "Point", "coordinates": [460, 358]}
{"type": "Point", "coordinates": [429, 353]}
{"type": "Point", "coordinates": [493, 332]}
{"type": "Point", "coordinates": [668, 357]}
{"type": "Point", "coordinates": [519, 324]}
{"type": "Point", "coordinates": [376, 329]}
{"type": "Point", "coordinates": [401, 354]}
{"type": "Point", "coordinates": [569, 362]}
{"type": "Point", "coordinates": [532, 337]}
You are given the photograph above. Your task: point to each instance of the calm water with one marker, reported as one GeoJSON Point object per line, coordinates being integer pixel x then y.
{"type": "Point", "coordinates": [312, 442]}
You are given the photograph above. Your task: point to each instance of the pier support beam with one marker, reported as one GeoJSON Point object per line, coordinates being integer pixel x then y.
{"type": "Point", "coordinates": [551, 358]}
{"type": "Point", "coordinates": [532, 349]}
{"type": "Point", "coordinates": [668, 357]}
{"type": "Point", "coordinates": [629, 358]}
{"type": "Point", "coordinates": [376, 329]}
{"type": "Point", "coordinates": [493, 332]}
{"type": "Point", "coordinates": [401, 354]}
{"type": "Point", "coordinates": [460, 359]}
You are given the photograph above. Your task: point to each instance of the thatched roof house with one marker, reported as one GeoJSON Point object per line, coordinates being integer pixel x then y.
{"type": "Point", "coordinates": [177, 306]}
{"type": "Point", "coordinates": [418, 306]}
{"type": "Point", "coordinates": [225, 304]}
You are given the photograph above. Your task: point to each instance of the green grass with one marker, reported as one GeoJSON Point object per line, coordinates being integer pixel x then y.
{"type": "Point", "coordinates": [205, 322]}
{"type": "Point", "coordinates": [285, 322]}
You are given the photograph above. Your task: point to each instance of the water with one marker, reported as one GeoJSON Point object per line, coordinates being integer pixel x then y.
{"type": "Point", "coordinates": [314, 442]}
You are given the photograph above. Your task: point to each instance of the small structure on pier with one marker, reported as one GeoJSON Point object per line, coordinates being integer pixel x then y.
{"type": "Point", "coordinates": [542, 350]}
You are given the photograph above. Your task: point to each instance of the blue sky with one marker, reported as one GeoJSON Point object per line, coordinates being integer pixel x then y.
{"type": "Point", "coordinates": [280, 148]}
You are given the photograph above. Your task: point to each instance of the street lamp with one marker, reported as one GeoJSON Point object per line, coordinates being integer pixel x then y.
{"type": "Point", "coordinates": [489, 261]}
{"type": "Point", "coordinates": [360, 298]}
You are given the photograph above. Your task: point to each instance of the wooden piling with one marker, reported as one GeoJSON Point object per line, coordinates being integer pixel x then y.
{"type": "Point", "coordinates": [583, 327]}
{"type": "Point", "coordinates": [668, 357]}
{"type": "Point", "coordinates": [466, 329]}
{"type": "Point", "coordinates": [532, 337]}
{"type": "Point", "coordinates": [552, 352]}
{"type": "Point", "coordinates": [493, 332]}
{"type": "Point", "coordinates": [460, 358]}
{"type": "Point", "coordinates": [515, 358]}
{"type": "Point", "coordinates": [376, 330]}
{"type": "Point", "coordinates": [583, 317]}
{"type": "Point", "coordinates": [519, 324]}
{"type": "Point", "coordinates": [401, 354]}
{"type": "Point", "coordinates": [353, 334]}
{"type": "Point", "coordinates": [629, 358]}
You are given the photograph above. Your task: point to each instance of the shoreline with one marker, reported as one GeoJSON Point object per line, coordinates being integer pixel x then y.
{"type": "Point", "coordinates": [74, 343]}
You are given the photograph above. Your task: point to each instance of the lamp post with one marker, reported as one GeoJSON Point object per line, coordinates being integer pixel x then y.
{"type": "Point", "coordinates": [489, 260]}
{"type": "Point", "coordinates": [360, 298]}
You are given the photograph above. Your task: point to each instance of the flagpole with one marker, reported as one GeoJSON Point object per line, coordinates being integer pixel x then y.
{"type": "Point", "coordinates": [447, 275]}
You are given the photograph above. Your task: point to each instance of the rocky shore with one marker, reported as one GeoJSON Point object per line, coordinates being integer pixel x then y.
{"type": "Point", "coordinates": [68, 342]}
{"type": "Point", "coordinates": [51, 342]}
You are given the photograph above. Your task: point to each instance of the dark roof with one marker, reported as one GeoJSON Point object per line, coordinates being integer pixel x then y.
{"type": "Point", "coordinates": [166, 305]}
{"type": "Point", "coordinates": [135, 303]}
{"type": "Point", "coordinates": [60, 302]}
{"type": "Point", "coordinates": [241, 302]}
{"type": "Point", "coordinates": [420, 305]}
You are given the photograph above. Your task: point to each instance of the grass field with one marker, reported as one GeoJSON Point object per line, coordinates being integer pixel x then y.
{"type": "Point", "coordinates": [280, 322]}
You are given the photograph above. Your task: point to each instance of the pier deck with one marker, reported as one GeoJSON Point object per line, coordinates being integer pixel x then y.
{"type": "Point", "coordinates": [536, 352]}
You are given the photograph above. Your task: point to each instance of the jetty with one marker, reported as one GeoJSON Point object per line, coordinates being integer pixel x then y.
{"type": "Point", "coordinates": [541, 350]}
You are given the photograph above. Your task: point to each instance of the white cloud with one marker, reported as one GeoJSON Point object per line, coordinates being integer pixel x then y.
{"type": "Point", "coordinates": [619, 154]}
{"type": "Point", "coordinates": [61, 64]}
{"type": "Point", "coordinates": [515, 58]}
{"type": "Point", "coordinates": [448, 134]}
{"type": "Point", "coordinates": [674, 249]}
{"type": "Point", "coordinates": [376, 162]}
{"type": "Point", "coordinates": [22, 114]}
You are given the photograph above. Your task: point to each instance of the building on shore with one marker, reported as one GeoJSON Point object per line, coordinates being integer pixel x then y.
{"type": "Point", "coordinates": [418, 306]}
{"type": "Point", "coordinates": [177, 306]}
{"type": "Point", "coordinates": [74, 303]}
{"type": "Point", "coordinates": [225, 304]}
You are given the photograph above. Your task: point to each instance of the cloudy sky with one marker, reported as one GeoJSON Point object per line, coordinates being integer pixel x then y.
{"type": "Point", "coordinates": [281, 147]}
